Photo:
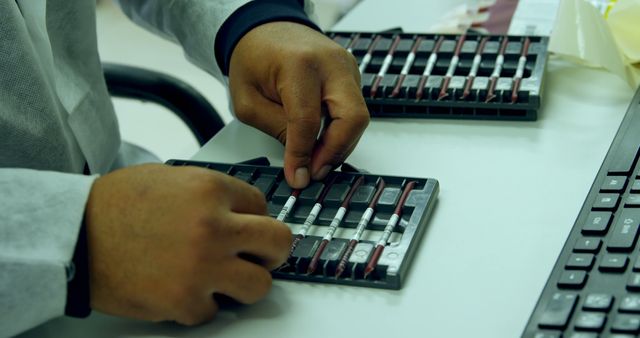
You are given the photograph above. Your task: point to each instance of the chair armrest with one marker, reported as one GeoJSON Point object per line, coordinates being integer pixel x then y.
{"type": "Point", "coordinates": [182, 99]}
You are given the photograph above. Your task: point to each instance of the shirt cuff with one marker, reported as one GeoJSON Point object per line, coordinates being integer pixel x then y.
{"type": "Point", "coordinates": [251, 15]}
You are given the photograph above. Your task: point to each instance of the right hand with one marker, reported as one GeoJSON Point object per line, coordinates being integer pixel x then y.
{"type": "Point", "coordinates": [163, 240]}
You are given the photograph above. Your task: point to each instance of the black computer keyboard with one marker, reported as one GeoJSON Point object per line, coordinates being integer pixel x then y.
{"type": "Point", "coordinates": [594, 288]}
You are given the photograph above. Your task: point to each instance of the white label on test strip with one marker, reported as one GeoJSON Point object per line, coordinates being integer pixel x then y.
{"type": "Point", "coordinates": [364, 63]}
{"type": "Point", "coordinates": [475, 65]}
{"type": "Point", "coordinates": [452, 66]}
{"type": "Point", "coordinates": [334, 224]}
{"type": "Point", "coordinates": [388, 229]}
{"type": "Point", "coordinates": [407, 65]}
{"type": "Point", "coordinates": [366, 217]}
{"type": "Point", "coordinates": [385, 65]}
{"type": "Point", "coordinates": [313, 214]}
{"type": "Point", "coordinates": [498, 69]}
{"type": "Point", "coordinates": [520, 69]}
{"type": "Point", "coordinates": [430, 63]}
{"type": "Point", "coordinates": [286, 208]}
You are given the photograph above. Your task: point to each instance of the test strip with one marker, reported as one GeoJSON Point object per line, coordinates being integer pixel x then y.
{"type": "Point", "coordinates": [367, 57]}
{"type": "Point", "coordinates": [286, 209]}
{"type": "Point", "coordinates": [362, 225]}
{"type": "Point", "coordinates": [337, 219]}
{"type": "Point", "coordinates": [385, 66]}
{"type": "Point", "coordinates": [520, 70]}
{"type": "Point", "coordinates": [452, 69]}
{"type": "Point", "coordinates": [388, 229]}
{"type": "Point", "coordinates": [496, 70]}
{"type": "Point", "coordinates": [431, 62]}
{"type": "Point", "coordinates": [313, 214]}
{"type": "Point", "coordinates": [474, 69]}
{"type": "Point", "coordinates": [406, 67]}
{"type": "Point", "coordinates": [353, 43]}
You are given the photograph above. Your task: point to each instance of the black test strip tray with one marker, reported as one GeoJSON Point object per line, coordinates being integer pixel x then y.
{"type": "Point", "coordinates": [452, 107]}
{"type": "Point", "coordinates": [394, 263]}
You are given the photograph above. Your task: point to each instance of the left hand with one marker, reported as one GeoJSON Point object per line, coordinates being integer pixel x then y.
{"type": "Point", "coordinates": [282, 76]}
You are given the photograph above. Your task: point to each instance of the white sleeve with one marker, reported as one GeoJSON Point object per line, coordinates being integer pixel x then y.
{"type": "Point", "coordinates": [193, 24]}
{"type": "Point", "coordinates": [40, 216]}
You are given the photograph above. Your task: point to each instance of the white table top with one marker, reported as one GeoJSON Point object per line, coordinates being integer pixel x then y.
{"type": "Point", "coordinates": [510, 192]}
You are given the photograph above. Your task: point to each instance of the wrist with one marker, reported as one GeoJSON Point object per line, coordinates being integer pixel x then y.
{"type": "Point", "coordinates": [251, 15]}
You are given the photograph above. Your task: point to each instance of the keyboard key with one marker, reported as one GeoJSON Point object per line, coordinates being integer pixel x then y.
{"type": "Point", "coordinates": [625, 323]}
{"type": "Point", "coordinates": [630, 304]}
{"type": "Point", "coordinates": [598, 302]}
{"type": "Point", "coordinates": [587, 244]}
{"type": "Point", "coordinates": [625, 231]}
{"type": "Point", "coordinates": [558, 311]}
{"type": "Point", "coordinates": [614, 184]}
{"type": "Point", "coordinates": [633, 283]}
{"type": "Point", "coordinates": [621, 336]}
{"type": "Point", "coordinates": [623, 158]}
{"type": "Point", "coordinates": [547, 335]}
{"type": "Point", "coordinates": [613, 263]}
{"type": "Point", "coordinates": [583, 335]}
{"type": "Point", "coordinates": [632, 201]}
{"type": "Point", "coordinates": [572, 279]}
{"type": "Point", "coordinates": [635, 187]}
{"type": "Point", "coordinates": [580, 262]}
{"type": "Point", "coordinates": [606, 202]}
{"type": "Point", "coordinates": [636, 265]}
{"type": "Point", "coordinates": [590, 321]}
{"type": "Point", "coordinates": [597, 223]}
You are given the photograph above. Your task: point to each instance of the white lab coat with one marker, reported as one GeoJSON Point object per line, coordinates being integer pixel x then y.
{"type": "Point", "coordinates": [55, 116]}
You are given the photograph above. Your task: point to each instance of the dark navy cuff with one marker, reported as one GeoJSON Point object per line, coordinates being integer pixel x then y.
{"type": "Point", "coordinates": [251, 15]}
{"type": "Point", "coordinates": [78, 293]}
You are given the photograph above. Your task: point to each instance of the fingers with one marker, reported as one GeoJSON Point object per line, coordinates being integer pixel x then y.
{"type": "Point", "coordinates": [301, 97]}
{"type": "Point", "coordinates": [261, 239]}
{"type": "Point", "coordinates": [197, 310]}
{"type": "Point", "coordinates": [241, 196]}
{"type": "Point", "coordinates": [254, 109]}
{"type": "Point", "coordinates": [246, 282]}
{"type": "Point", "coordinates": [348, 119]}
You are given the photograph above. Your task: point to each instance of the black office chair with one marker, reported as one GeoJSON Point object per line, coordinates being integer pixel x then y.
{"type": "Point", "coordinates": [174, 94]}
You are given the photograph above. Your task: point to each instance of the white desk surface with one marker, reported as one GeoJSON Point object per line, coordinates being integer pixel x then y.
{"type": "Point", "coordinates": [510, 192]}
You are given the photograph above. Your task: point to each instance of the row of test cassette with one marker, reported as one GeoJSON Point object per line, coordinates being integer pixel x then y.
{"type": "Point", "coordinates": [454, 76]}
{"type": "Point", "coordinates": [352, 228]}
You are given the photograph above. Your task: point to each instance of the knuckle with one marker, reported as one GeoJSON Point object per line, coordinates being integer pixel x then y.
{"type": "Point", "coordinates": [306, 57]}
{"type": "Point", "coordinates": [245, 110]}
{"type": "Point", "coordinates": [306, 126]}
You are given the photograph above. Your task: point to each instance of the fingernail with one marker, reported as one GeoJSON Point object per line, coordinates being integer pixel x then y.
{"type": "Point", "coordinates": [301, 177]}
{"type": "Point", "coordinates": [322, 173]}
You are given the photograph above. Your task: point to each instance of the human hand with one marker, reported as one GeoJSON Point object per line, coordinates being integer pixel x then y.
{"type": "Point", "coordinates": [163, 240]}
{"type": "Point", "coordinates": [282, 75]}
